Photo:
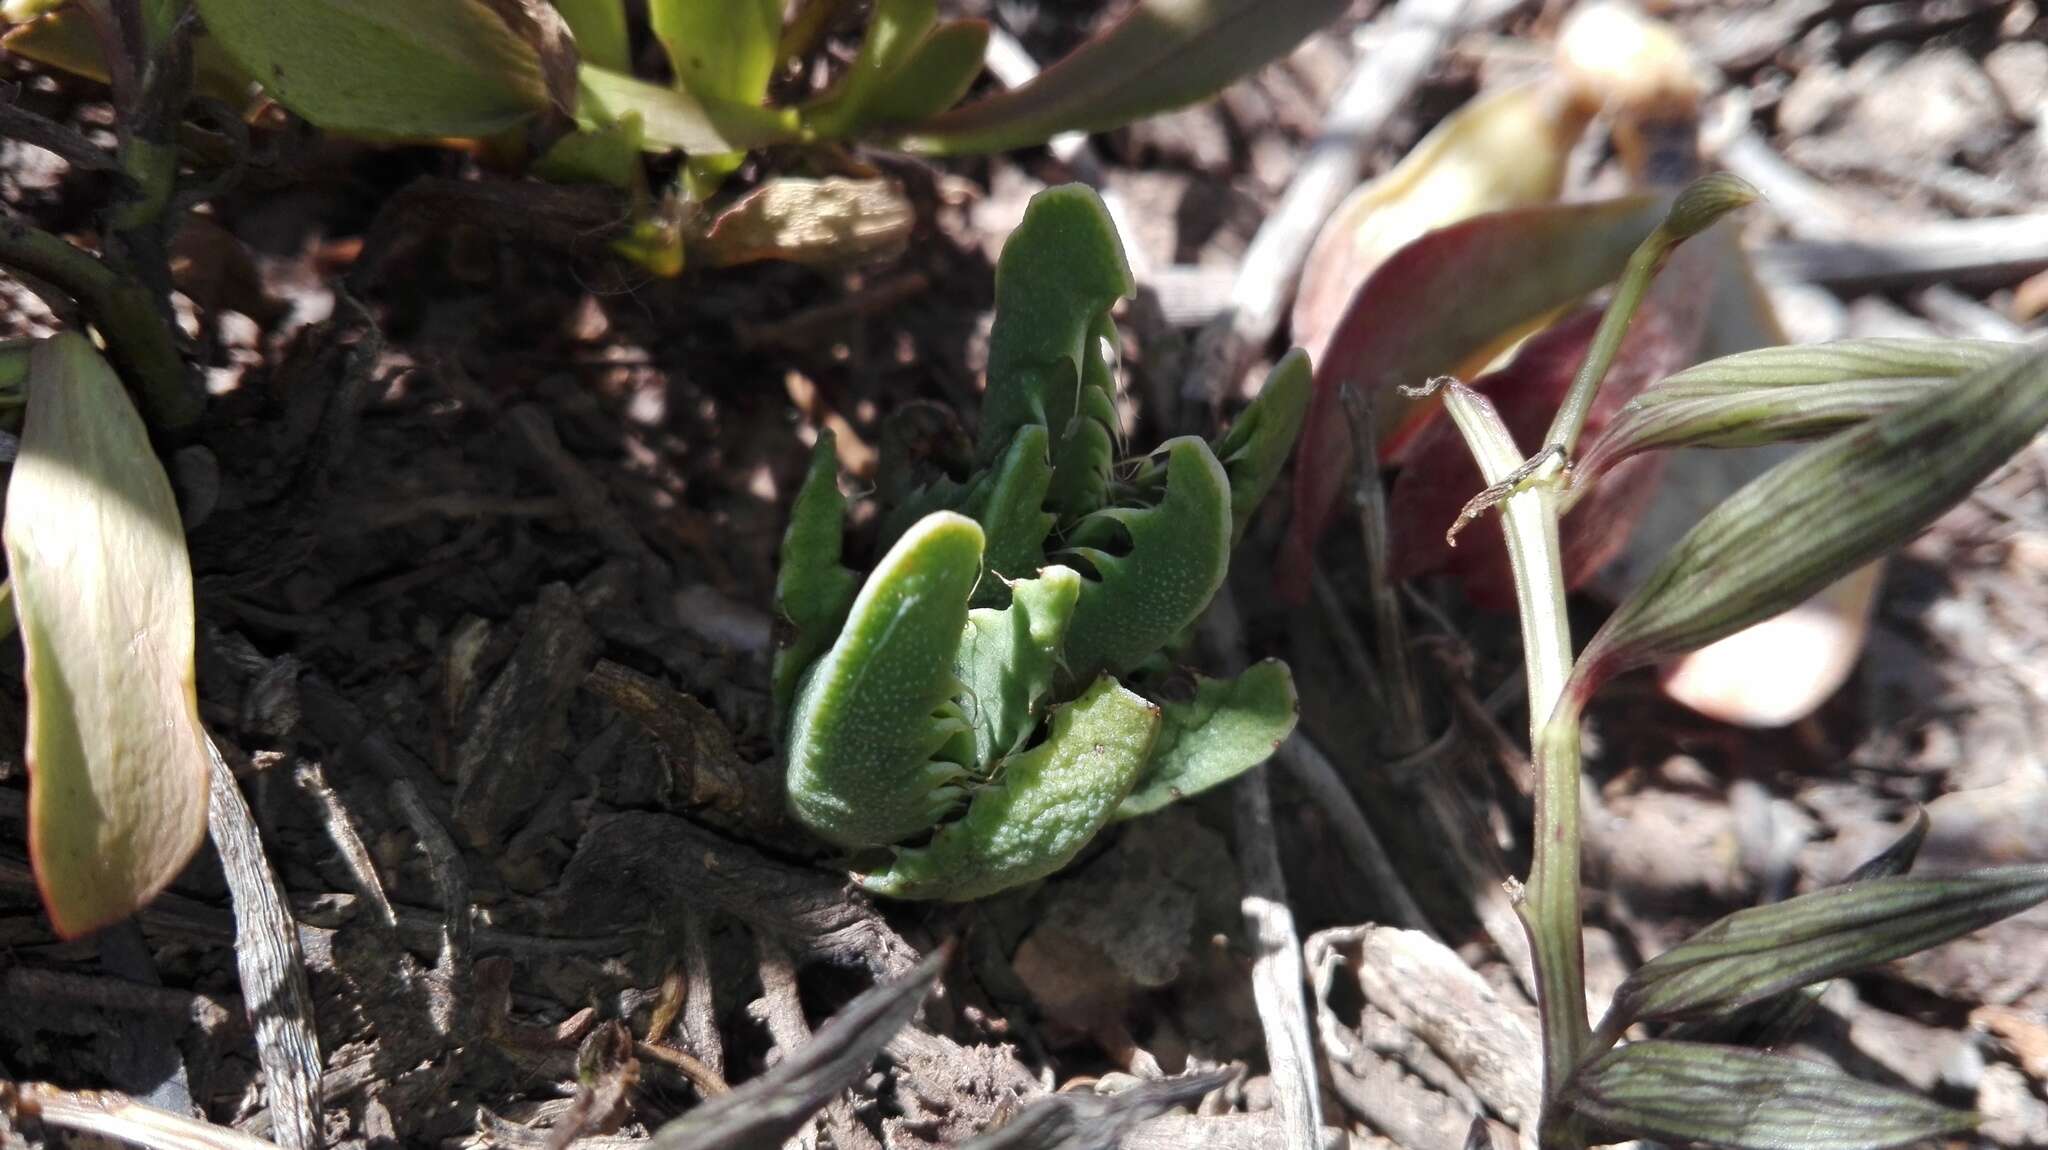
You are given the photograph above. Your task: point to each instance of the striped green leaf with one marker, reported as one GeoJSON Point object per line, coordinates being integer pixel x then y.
{"type": "Point", "coordinates": [1756, 953]}
{"type": "Point", "coordinates": [1774, 1020]}
{"type": "Point", "coordinates": [1782, 394]}
{"type": "Point", "coordinates": [1728, 1096]}
{"type": "Point", "coordinates": [1815, 518]}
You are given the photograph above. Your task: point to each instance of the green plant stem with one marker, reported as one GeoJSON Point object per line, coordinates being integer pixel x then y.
{"type": "Point", "coordinates": [1697, 208]}
{"type": "Point", "coordinates": [124, 310]}
{"type": "Point", "coordinates": [1549, 906]}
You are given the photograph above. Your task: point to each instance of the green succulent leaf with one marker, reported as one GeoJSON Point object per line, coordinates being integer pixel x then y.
{"type": "Point", "coordinates": [609, 156]}
{"type": "Point", "coordinates": [1007, 660]}
{"type": "Point", "coordinates": [1771, 1021]}
{"type": "Point", "coordinates": [1087, 447]}
{"type": "Point", "coordinates": [938, 73]}
{"type": "Point", "coordinates": [1060, 271]}
{"type": "Point", "coordinates": [118, 763]}
{"type": "Point", "coordinates": [1756, 953]}
{"type": "Point", "coordinates": [391, 68]}
{"type": "Point", "coordinates": [673, 119]}
{"type": "Point", "coordinates": [1809, 521]}
{"type": "Point", "coordinates": [870, 718]}
{"type": "Point", "coordinates": [1255, 449]}
{"type": "Point", "coordinates": [1010, 506]}
{"type": "Point", "coordinates": [1162, 55]}
{"type": "Point", "coordinates": [723, 52]}
{"type": "Point", "coordinates": [1042, 809]}
{"type": "Point", "coordinates": [813, 589]}
{"type": "Point", "coordinates": [600, 29]}
{"type": "Point", "coordinates": [1780, 394]}
{"type": "Point", "coordinates": [896, 29]}
{"type": "Point", "coordinates": [1229, 727]}
{"type": "Point", "coordinates": [1179, 552]}
{"type": "Point", "coordinates": [720, 50]}
{"type": "Point", "coordinates": [1728, 1096]}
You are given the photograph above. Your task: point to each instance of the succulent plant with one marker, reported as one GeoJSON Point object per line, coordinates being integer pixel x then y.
{"type": "Point", "coordinates": [996, 689]}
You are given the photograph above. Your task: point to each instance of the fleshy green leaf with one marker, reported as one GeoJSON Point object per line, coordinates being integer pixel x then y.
{"type": "Point", "coordinates": [1257, 445]}
{"type": "Point", "coordinates": [1060, 271]}
{"type": "Point", "coordinates": [674, 119]}
{"type": "Point", "coordinates": [1178, 555]}
{"type": "Point", "coordinates": [1728, 1096]}
{"type": "Point", "coordinates": [64, 39]}
{"type": "Point", "coordinates": [896, 28]}
{"type": "Point", "coordinates": [1778, 394]}
{"type": "Point", "coordinates": [1822, 514]}
{"type": "Point", "coordinates": [1756, 953]}
{"type": "Point", "coordinates": [1007, 660]}
{"type": "Point", "coordinates": [117, 760]}
{"type": "Point", "coordinates": [1010, 506]}
{"type": "Point", "coordinates": [1087, 450]}
{"type": "Point", "coordinates": [720, 50]}
{"type": "Point", "coordinates": [1229, 727]}
{"type": "Point", "coordinates": [813, 589]}
{"type": "Point", "coordinates": [394, 68]}
{"type": "Point", "coordinates": [610, 156]}
{"type": "Point", "coordinates": [871, 716]}
{"type": "Point", "coordinates": [938, 73]}
{"type": "Point", "coordinates": [1448, 302]}
{"type": "Point", "coordinates": [723, 53]}
{"type": "Point", "coordinates": [1164, 54]}
{"type": "Point", "coordinates": [600, 29]}
{"type": "Point", "coordinates": [1046, 805]}
{"type": "Point", "coordinates": [1774, 1020]}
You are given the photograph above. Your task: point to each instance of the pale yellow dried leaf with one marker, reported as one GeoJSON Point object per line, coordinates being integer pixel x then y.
{"type": "Point", "coordinates": [103, 592]}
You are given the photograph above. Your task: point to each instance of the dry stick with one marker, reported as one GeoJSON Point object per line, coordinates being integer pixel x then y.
{"type": "Point", "coordinates": [341, 831]}
{"type": "Point", "coordinates": [1277, 975]}
{"type": "Point", "coordinates": [1966, 317]}
{"type": "Point", "coordinates": [2002, 248]}
{"type": "Point", "coordinates": [782, 1011]}
{"type": "Point", "coordinates": [53, 987]}
{"type": "Point", "coordinates": [1809, 207]}
{"type": "Point", "coordinates": [1407, 741]}
{"type": "Point", "coordinates": [1404, 701]}
{"type": "Point", "coordinates": [1350, 647]}
{"type": "Point", "coordinates": [700, 1009]}
{"type": "Point", "coordinates": [1315, 774]}
{"type": "Point", "coordinates": [119, 1117]}
{"type": "Point", "coordinates": [451, 878]}
{"type": "Point", "coordinates": [586, 494]}
{"type": "Point", "coordinates": [1379, 84]}
{"type": "Point", "coordinates": [271, 967]}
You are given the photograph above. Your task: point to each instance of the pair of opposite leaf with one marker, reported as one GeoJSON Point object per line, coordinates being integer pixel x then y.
{"type": "Point", "coordinates": [968, 688]}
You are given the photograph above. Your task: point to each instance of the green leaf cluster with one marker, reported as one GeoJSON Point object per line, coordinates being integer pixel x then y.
{"type": "Point", "coordinates": [965, 704]}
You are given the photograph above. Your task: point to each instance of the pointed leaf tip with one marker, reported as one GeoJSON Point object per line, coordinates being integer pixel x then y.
{"type": "Point", "coordinates": [1756, 953]}
{"type": "Point", "coordinates": [1822, 514]}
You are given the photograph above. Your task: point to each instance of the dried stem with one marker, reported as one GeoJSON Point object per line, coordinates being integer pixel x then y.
{"type": "Point", "coordinates": [1550, 904]}
{"type": "Point", "coordinates": [1404, 703]}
